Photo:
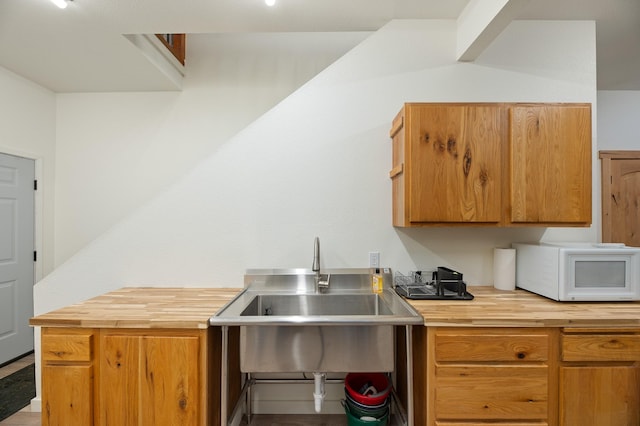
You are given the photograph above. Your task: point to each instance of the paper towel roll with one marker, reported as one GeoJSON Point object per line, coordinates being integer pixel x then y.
{"type": "Point", "coordinates": [504, 269]}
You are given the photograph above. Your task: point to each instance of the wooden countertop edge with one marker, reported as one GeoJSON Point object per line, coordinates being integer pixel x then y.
{"type": "Point", "coordinates": [614, 323]}
{"type": "Point", "coordinates": [191, 308]}
{"type": "Point", "coordinates": [177, 325]}
{"type": "Point", "coordinates": [142, 307]}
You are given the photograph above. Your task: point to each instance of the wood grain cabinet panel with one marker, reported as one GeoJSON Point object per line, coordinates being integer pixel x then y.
{"type": "Point", "coordinates": [171, 391]}
{"type": "Point", "coordinates": [68, 376]}
{"type": "Point", "coordinates": [447, 163]}
{"type": "Point", "coordinates": [601, 347]}
{"type": "Point", "coordinates": [454, 168]}
{"type": "Point", "coordinates": [67, 347]}
{"type": "Point", "coordinates": [600, 395]}
{"type": "Point", "coordinates": [600, 377]}
{"type": "Point", "coordinates": [480, 375]}
{"type": "Point", "coordinates": [517, 423]}
{"type": "Point", "coordinates": [67, 395]}
{"type": "Point", "coordinates": [491, 392]}
{"type": "Point", "coordinates": [491, 164]}
{"type": "Point", "coordinates": [120, 380]}
{"type": "Point", "coordinates": [125, 377]}
{"type": "Point", "coordinates": [151, 379]}
{"type": "Point", "coordinates": [491, 347]}
{"type": "Point", "coordinates": [550, 163]}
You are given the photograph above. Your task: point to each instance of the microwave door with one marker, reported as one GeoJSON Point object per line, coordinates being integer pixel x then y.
{"type": "Point", "coordinates": [594, 277]}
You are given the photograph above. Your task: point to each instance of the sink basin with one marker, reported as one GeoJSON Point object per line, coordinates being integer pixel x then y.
{"type": "Point", "coordinates": [285, 326]}
{"type": "Point", "coordinates": [316, 304]}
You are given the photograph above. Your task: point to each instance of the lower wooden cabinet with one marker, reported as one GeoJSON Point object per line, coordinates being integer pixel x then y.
{"type": "Point", "coordinates": [68, 376]}
{"type": "Point", "coordinates": [124, 377]}
{"type": "Point", "coordinates": [600, 377]}
{"type": "Point", "coordinates": [489, 376]}
{"type": "Point", "coordinates": [151, 379]}
{"type": "Point", "coordinates": [526, 376]}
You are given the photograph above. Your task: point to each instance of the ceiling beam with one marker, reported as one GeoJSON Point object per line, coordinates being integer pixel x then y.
{"type": "Point", "coordinates": [481, 22]}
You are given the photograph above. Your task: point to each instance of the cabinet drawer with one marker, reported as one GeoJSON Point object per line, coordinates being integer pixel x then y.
{"type": "Point", "coordinates": [601, 347]}
{"type": "Point", "coordinates": [491, 347]}
{"type": "Point", "coordinates": [67, 347]}
{"type": "Point", "coordinates": [491, 424]}
{"type": "Point", "coordinates": [491, 393]}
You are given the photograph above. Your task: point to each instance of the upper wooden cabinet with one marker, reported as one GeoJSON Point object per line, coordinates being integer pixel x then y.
{"type": "Point", "coordinates": [492, 164]}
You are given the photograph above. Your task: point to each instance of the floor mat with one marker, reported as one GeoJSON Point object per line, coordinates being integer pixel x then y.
{"type": "Point", "coordinates": [17, 390]}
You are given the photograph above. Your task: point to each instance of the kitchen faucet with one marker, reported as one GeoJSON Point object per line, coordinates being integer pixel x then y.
{"type": "Point", "coordinates": [315, 267]}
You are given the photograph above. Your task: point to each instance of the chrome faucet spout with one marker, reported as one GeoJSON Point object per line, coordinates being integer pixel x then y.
{"type": "Point", "coordinates": [315, 267]}
{"type": "Point", "coordinates": [321, 284]}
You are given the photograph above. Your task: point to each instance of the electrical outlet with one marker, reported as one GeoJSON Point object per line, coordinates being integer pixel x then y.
{"type": "Point", "coordinates": [374, 259]}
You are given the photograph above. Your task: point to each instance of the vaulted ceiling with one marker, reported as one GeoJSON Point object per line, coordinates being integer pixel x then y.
{"type": "Point", "coordinates": [82, 48]}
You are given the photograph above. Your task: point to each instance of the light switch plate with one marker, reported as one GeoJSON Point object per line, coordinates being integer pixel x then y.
{"type": "Point", "coordinates": [374, 259]}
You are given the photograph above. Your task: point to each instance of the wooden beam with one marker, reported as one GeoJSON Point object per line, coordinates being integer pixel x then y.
{"type": "Point", "coordinates": [481, 22]}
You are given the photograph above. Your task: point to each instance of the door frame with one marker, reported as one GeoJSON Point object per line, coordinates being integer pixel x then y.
{"type": "Point", "coordinates": [38, 222]}
{"type": "Point", "coordinates": [606, 157]}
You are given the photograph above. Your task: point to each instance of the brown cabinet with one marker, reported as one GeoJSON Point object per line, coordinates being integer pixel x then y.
{"type": "Point", "coordinates": [600, 377]}
{"type": "Point", "coordinates": [151, 379]}
{"type": "Point", "coordinates": [489, 375]}
{"type": "Point", "coordinates": [68, 376]}
{"type": "Point", "coordinates": [126, 377]}
{"type": "Point", "coordinates": [492, 164]}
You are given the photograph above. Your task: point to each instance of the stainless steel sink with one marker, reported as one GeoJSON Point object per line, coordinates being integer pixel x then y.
{"type": "Point", "coordinates": [302, 321]}
{"type": "Point", "coordinates": [316, 305]}
{"type": "Point", "coordinates": [286, 326]}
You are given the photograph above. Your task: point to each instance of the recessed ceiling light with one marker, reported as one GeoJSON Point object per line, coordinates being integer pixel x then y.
{"type": "Point", "coordinates": [60, 3]}
{"type": "Point", "coordinates": [270, 2]}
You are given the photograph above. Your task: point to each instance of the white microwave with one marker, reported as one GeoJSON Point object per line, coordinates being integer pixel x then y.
{"type": "Point", "coordinates": [579, 271]}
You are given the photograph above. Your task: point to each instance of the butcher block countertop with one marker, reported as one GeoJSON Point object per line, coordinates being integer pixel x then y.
{"type": "Point", "coordinates": [142, 307]}
{"type": "Point", "coordinates": [155, 307]}
{"type": "Point", "coordinates": [519, 308]}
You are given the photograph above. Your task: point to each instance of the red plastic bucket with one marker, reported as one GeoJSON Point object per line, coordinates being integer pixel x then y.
{"type": "Point", "coordinates": [368, 388]}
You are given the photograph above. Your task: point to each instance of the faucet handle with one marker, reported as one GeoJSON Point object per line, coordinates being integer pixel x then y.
{"type": "Point", "coordinates": [324, 283]}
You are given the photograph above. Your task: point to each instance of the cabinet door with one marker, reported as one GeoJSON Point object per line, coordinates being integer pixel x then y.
{"type": "Point", "coordinates": [170, 382]}
{"type": "Point", "coordinates": [119, 380]}
{"type": "Point", "coordinates": [551, 164]}
{"type": "Point", "coordinates": [150, 380]}
{"type": "Point", "coordinates": [600, 395]}
{"type": "Point", "coordinates": [67, 395]}
{"type": "Point", "coordinates": [455, 156]}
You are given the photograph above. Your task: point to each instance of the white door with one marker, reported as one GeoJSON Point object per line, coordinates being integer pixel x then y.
{"type": "Point", "coordinates": [16, 255]}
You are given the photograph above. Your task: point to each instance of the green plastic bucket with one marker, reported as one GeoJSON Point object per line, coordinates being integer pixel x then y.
{"type": "Point", "coordinates": [353, 420]}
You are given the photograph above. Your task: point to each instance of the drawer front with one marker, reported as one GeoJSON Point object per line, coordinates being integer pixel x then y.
{"type": "Point", "coordinates": [67, 347]}
{"type": "Point", "coordinates": [491, 424]}
{"type": "Point", "coordinates": [491, 393]}
{"type": "Point", "coordinates": [601, 347]}
{"type": "Point", "coordinates": [489, 347]}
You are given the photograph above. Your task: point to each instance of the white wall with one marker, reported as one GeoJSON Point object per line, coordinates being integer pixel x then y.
{"type": "Point", "coordinates": [316, 164]}
{"type": "Point", "coordinates": [28, 130]}
{"type": "Point", "coordinates": [116, 151]}
{"type": "Point", "coordinates": [619, 120]}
